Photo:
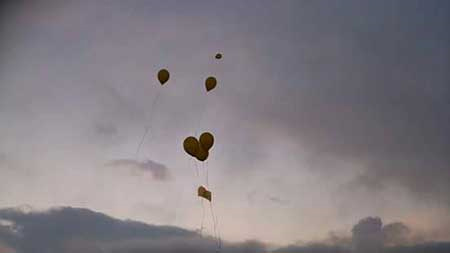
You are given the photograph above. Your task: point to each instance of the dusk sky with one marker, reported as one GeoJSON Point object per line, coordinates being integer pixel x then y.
{"type": "Point", "coordinates": [326, 116]}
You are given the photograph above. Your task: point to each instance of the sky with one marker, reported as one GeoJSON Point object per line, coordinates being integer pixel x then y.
{"type": "Point", "coordinates": [327, 115]}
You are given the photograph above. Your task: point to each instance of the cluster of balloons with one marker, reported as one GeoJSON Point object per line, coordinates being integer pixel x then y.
{"type": "Point", "coordinates": [199, 148]}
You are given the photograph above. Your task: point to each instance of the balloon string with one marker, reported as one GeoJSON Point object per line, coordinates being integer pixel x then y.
{"type": "Point", "coordinates": [202, 113]}
{"type": "Point", "coordinates": [213, 219]}
{"type": "Point", "coordinates": [196, 171]}
{"type": "Point", "coordinates": [207, 177]}
{"type": "Point", "coordinates": [142, 141]}
{"type": "Point", "coordinates": [147, 128]}
{"type": "Point", "coordinates": [203, 217]}
{"type": "Point", "coordinates": [218, 233]}
{"type": "Point", "coordinates": [215, 223]}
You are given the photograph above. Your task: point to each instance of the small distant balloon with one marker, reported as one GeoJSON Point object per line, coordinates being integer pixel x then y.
{"type": "Point", "coordinates": [210, 83]}
{"type": "Point", "coordinates": [218, 56]}
{"type": "Point", "coordinates": [163, 76]}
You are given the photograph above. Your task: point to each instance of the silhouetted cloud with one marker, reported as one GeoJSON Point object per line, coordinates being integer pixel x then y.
{"type": "Point", "coordinates": [8, 238]}
{"type": "Point", "coordinates": [68, 230]}
{"type": "Point", "coordinates": [396, 233]}
{"type": "Point", "coordinates": [432, 247]}
{"type": "Point", "coordinates": [313, 248]}
{"type": "Point", "coordinates": [369, 235]}
{"type": "Point", "coordinates": [158, 171]}
{"type": "Point", "coordinates": [334, 242]}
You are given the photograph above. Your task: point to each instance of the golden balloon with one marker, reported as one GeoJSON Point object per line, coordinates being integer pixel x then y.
{"type": "Point", "coordinates": [210, 83]}
{"type": "Point", "coordinates": [206, 140]}
{"type": "Point", "coordinates": [202, 154]}
{"type": "Point", "coordinates": [191, 146]}
{"type": "Point", "coordinates": [163, 76]}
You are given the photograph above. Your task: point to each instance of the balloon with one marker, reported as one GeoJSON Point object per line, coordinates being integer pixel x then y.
{"type": "Point", "coordinates": [163, 76]}
{"type": "Point", "coordinates": [218, 56]}
{"type": "Point", "coordinates": [191, 146]}
{"type": "Point", "coordinates": [206, 140]}
{"type": "Point", "coordinates": [202, 154]}
{"type": "Point", "coordinates": [210, 83]}
{"type": "Point", "coordinates": [202, 192]}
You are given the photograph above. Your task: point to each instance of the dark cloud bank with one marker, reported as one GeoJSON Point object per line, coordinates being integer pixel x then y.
{"type": "Point", "coordinates": [68, 229]}
{"type": "Point", "coordinates": [370, 236]}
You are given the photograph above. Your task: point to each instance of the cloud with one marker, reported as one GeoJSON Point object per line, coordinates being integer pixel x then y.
{"type": "Point", "coordinates": [68, 230]}
{"type": "Point", "coordinates": [185, 245]}
{"type": "Point", "coordinates": [432, 247]}
{"type": "Point", "coordinates": [158, 171]}
{"type": "Point", "coordinates": [396, 233]}
{"type": "Point", "coordinates": [313, 248]}
{"type": "Point", "coordinates": [334, 242]}
{"type": "Point", "coordinates": [278, 200]}
{"type": "Point", "coordinates": [369, 235]}
{"type": "Point", "coordinates": [7, 239]}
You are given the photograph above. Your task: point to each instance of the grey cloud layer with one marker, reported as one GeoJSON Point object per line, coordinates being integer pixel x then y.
{"type": "Point", "coordinates": [74, 230]}
{"type": "Point", "coordinates": [369, 235]}
{"type": "Point", "coordinates": [69, 230]}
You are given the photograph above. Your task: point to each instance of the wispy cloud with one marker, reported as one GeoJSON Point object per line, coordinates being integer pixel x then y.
{"type": "Point", "coordinates": [159, 171]}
